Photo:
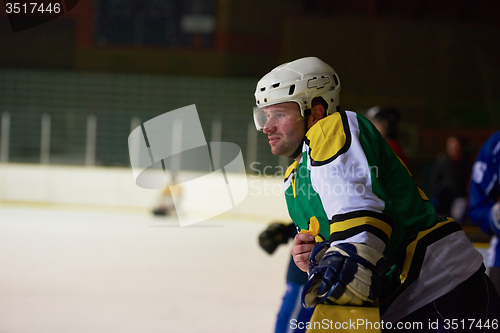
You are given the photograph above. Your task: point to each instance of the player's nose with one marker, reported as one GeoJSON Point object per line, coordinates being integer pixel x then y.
{"type": "Point", "coordinates": [270, 126]}
{"type": "Point", "coordinates": [269, 129]}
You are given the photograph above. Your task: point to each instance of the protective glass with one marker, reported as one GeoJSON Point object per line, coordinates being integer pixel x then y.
{"type": "Point", "coordinates": [271, 117]}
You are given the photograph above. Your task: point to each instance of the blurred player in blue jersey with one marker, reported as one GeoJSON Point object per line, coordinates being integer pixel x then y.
{"type": "Point", "coordinates": [484, 200]}
{"type": "Point", "coordinates": [291, 310]}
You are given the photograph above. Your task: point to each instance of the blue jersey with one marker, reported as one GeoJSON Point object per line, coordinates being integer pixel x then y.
{"type": "Point", "coordinates": [485, 185]}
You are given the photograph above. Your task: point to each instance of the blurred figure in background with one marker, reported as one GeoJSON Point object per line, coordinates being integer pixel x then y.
{"type": "Point", "coordinates": [165, 204]}
{"type": "Point", "coordinates": [386, 120]}
{"type": "Point", "coordinates": [450, 179]}
{"type": "Point", "coordinates": [484, 200]}
{"type": "Point", "coordinates": [278, 233]}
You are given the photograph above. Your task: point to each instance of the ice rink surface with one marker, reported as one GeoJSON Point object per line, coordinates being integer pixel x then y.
{"type": "Point", "coordinates": [74, 271]}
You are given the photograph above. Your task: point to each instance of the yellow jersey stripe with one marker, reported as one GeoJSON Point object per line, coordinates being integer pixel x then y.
{"type": "Point", "coordinates": [291, 168]}
{"type": "Point", "coordinates": [410, 249]}
{"type": "Point", "coordinates": [359, 221]}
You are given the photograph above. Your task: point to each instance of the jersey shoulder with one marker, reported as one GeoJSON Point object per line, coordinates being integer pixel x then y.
{"type": "Point", "coordinates": [329, 138]}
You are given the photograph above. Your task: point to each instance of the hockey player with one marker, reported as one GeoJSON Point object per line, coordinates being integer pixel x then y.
{"type": "Point", "coordinates": [165, 205]}
{"type": "Point", "coordinates": [367, 231]}
{"type": "Point", "coordinates": [484, 200]}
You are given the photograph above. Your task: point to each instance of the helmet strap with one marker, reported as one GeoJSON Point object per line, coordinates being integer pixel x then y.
{"type": "Point", "coordinates": [297, 151]}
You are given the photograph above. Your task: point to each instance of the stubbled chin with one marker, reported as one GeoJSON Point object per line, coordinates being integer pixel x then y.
{"type": "Point", "coordinates": [275, 150]}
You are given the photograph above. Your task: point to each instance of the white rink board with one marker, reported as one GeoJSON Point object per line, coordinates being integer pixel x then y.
{"type": "Point", "coordinates": [113, 187]}
{"type": "Point", "coordinates": [67, 271]}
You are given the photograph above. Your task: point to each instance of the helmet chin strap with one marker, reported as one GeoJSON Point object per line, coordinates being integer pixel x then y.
{"type": "Point", "coordinates": [298, 150]}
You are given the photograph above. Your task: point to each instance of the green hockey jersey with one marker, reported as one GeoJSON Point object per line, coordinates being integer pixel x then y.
{"type": "Point", "coordinates": [349, 186]}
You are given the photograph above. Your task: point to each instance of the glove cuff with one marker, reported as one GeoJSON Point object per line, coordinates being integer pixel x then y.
{"type": "Point", "coordinates": [362, 253]}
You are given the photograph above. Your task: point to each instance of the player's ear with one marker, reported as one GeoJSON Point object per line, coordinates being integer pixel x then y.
{"type": "Point", "coordinates": [317, 113]}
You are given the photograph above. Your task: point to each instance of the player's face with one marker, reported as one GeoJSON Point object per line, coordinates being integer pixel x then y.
{"type": "Point", "coordinates": [454, 148]}
{"type": "Point", "coordinates": [284, 127]}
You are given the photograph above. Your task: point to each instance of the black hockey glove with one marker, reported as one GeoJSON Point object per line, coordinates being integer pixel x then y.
{"type": "Point", "coordinates": [276, 234]}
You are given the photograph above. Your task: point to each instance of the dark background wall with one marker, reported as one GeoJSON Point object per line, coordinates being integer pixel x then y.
{"type": "Point", "coordinates": [438, 61]}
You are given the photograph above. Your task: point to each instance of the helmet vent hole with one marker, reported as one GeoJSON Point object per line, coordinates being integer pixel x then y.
{"type": "Point", "coordinates": [291, 90]}
{"type": "Point", "coordinates": [265, 100]}
{"type": "Point", "coordinates": [331, 100]}
{"type": "Point", "coordinates": [276, 85]}
{"type": "Point", "coordinates": [336, 80]}
{"type": "Point", "coordinates": [263, 88]}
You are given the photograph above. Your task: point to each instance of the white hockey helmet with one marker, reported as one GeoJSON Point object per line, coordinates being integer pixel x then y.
{"type": "Point", "coordinates": [298, 81]}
